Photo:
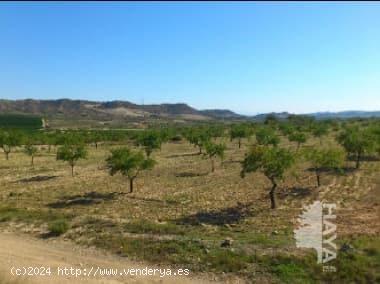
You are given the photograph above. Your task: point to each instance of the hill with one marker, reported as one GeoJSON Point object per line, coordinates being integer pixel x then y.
{"type": "Point", "coordinates": [113, 112]}
{"type": "Point", "coordinates": [66, 112]}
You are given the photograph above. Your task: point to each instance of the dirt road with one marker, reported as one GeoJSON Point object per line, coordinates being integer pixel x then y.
{"type": "Point", "coordinates": [22, 251]}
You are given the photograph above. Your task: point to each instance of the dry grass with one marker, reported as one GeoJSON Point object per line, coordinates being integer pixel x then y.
{"type": "Point", "coordinates": [183, 208]}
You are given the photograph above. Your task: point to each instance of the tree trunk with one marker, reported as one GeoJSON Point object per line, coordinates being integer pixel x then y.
{"type": "Point", "coordinates": [6, 155]}
{"type": "Point", "coordinates": [298, 146]}
{"type": "Point", "coordinates": [96, 145]}
{"type": "Point", "coordinates": [271, 195]}
{"type": "Point", "coordinates": [130, 185]}
{"type": "Point", "coordinates": [32, 163]}
{"type": "Point", "coordinates": [212, 165]}
{"type": "Point", "coordinates": [200, 149]}
{"type": "Point", "coordinates": [239, 143]}
{"type": "Point", "coordinates": [72, 170]}
{"type": "Point", "coordinates": [358, 156]}
{"type": "Point", "coordinates": [318, 178]}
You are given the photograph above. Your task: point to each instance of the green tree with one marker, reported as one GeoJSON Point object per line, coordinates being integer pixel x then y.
{"type": "Point", "coordinates": [286, 128]}
{"type": "Point", "coordinates": [31, 151]}
{"type": "Point", "coordinates": [272, 162]}
{"type": "Point", "coordinates": [357, 142]}
{"type": "Point", "coordinates": [216, 131]}
{"type": "Point", "coordinates": [9, 140]}
{"type": "Point", "coordinates": [197, 137]}
{"type": "Point", "coordinates": [214, 150]}
{"type": "Point", "coordinates": [271, 119]}
{"type": "Point", "coordinates": [298, 137]}
{"type": "Point", "coordinates": [319, 130]}
{"type": "Point", "coordinates": [324, 160]}
{"type": "Point", "coordinates": [149, 140]}
{"type": "Point", "coordinates": [239, 131]}
{"type": "Point", "coordinates": [267, 136]}
{"type": "Point", "coordinates": [95, 137]}
{"type": "Point", "coordinates": [128, 163]}
{"type": "Point", "coordinates": [71, 153]}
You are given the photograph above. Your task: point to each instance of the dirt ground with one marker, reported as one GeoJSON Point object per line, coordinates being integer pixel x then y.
{"type": "Point", "coordinates": [22, 251]}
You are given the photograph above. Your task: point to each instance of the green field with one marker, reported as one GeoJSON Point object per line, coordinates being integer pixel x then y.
{"type": "Point", "coordinates": [20, 121]}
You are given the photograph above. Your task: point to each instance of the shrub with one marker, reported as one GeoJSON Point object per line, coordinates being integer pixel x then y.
{"type": "Point", "coordinates": [58, 227]}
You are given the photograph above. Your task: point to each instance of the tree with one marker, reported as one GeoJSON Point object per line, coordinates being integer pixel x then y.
{"type": "Point", "coordinates": [47, 138]}
{"type": "Point", "coordinates": [286, 128]}
{"type": "Point", "coordinates": [298, 137]}
{"type": "Point", "coordinates": [214, 150]}
{"type": "Point", "coordinates": [272, 162]}
{"type": "Point", "coordinates": [71, 153]}
{"type": "Point", "coordinates": [357, 142]}
{"type": "Point", "coordinates": [319, 130]}
{"type": "Point", "coordinates": [31, 151]}
{"type": "Point", "coordinates": [150, 140]}
{"type": "Point", "coordinates": [325, 160]}
{"type": "Point", "coordinates": [267, 136]}
{"type": "Point", "coordinates": [95, 137]}
{"type": "Point", "coordinates": [239, 132]}
{"type": "Point", "coordinates": [8, 140]}
{"type": "Point", "coordinates": [215, 131]}
{"type": "Point", "coordinates": [271, 119]}
{"type": "Point", "coordinates": [197, 137]}
{"type": "Point", "coordinates": [128, 163]}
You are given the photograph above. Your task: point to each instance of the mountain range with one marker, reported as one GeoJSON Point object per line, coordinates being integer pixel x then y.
{"type": "Point", "coordinates": [127, 111]}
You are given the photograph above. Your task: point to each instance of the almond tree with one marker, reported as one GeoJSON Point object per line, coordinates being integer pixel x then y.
{"type": "Point", "coordinates": [357, 142]}
{"type": "Point", "coordinates": [319, 130]}
{"type": "Point", "coordinates": [128, 163]}
{"type": "Point", "coordinates": [9, 140]}
{"type": "Point", "coordinates": [71, 153]}
{"type": "Point", "coordinates": [298, 137]}
{"type": "Point", "coordinates": [239, 132]}
{"type": "Point", "coordinates": [214, 150]}
{"type": "Point", "coordinates": [324, 160]}
{"type": "Point", "coordinates": [150, 141]}
{"type": "Point", "coordinates": [267, 136]}
{"type": "Point", "coordinates": [197, 137]}
{"type": "Point", "coordinates": [272, 162]}
{"type": "Point", "coordinates": [31, 151]}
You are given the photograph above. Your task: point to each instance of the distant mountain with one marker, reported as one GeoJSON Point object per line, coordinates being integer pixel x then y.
{"type": "Point", "coordinates": [113, 110]}
{"type": "Point", "coordinates": [124, 111]}
{"type": "Point", "coordinates": [278, 115]}
{"type": "Point", "coordinates": [221, 113]}
{"type": "Point", "coordinates": [346, 114]}
{"type": "Point", "coordinates": [322, 115]}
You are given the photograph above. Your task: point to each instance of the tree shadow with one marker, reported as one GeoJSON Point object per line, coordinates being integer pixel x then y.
{"type": "Point", "coordinates": [37, 178]}
{"type": "Point", "coordinates": [339, 171]}
{"type": "Point", "coordinates": [348, 170]}
{"type": "Point", "coordinates": [190, 174]}
{"type": "Point", "coordinates": [365, 158]}
{"type": "Point", "coordinates": [183, 155]}
{"type": "Point", "coordinates": [223, 216]}
{"type": "Point", "coordinates": [153, 200]}
{"type": "Point", "coordinates": [295, 192]}
{"type": "Point", "coordinates": [48, 235]}
{"type": "Point", "coordinates": [85, 199]}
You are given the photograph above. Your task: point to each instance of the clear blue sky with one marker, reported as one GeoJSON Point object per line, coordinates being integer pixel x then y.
{"type": "Point", "coordinates": [247, 57]}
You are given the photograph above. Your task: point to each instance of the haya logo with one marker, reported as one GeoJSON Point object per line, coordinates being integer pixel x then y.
{"type": "Point", "coordinates": [318, 231]}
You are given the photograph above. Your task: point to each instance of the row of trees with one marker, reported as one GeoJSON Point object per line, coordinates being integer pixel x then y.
{"type": "Point", "coordinates": [265, 156]}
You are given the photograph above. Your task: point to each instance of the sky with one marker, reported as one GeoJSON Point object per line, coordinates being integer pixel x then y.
{"type": "Point", "coordinates": [249, 57]}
